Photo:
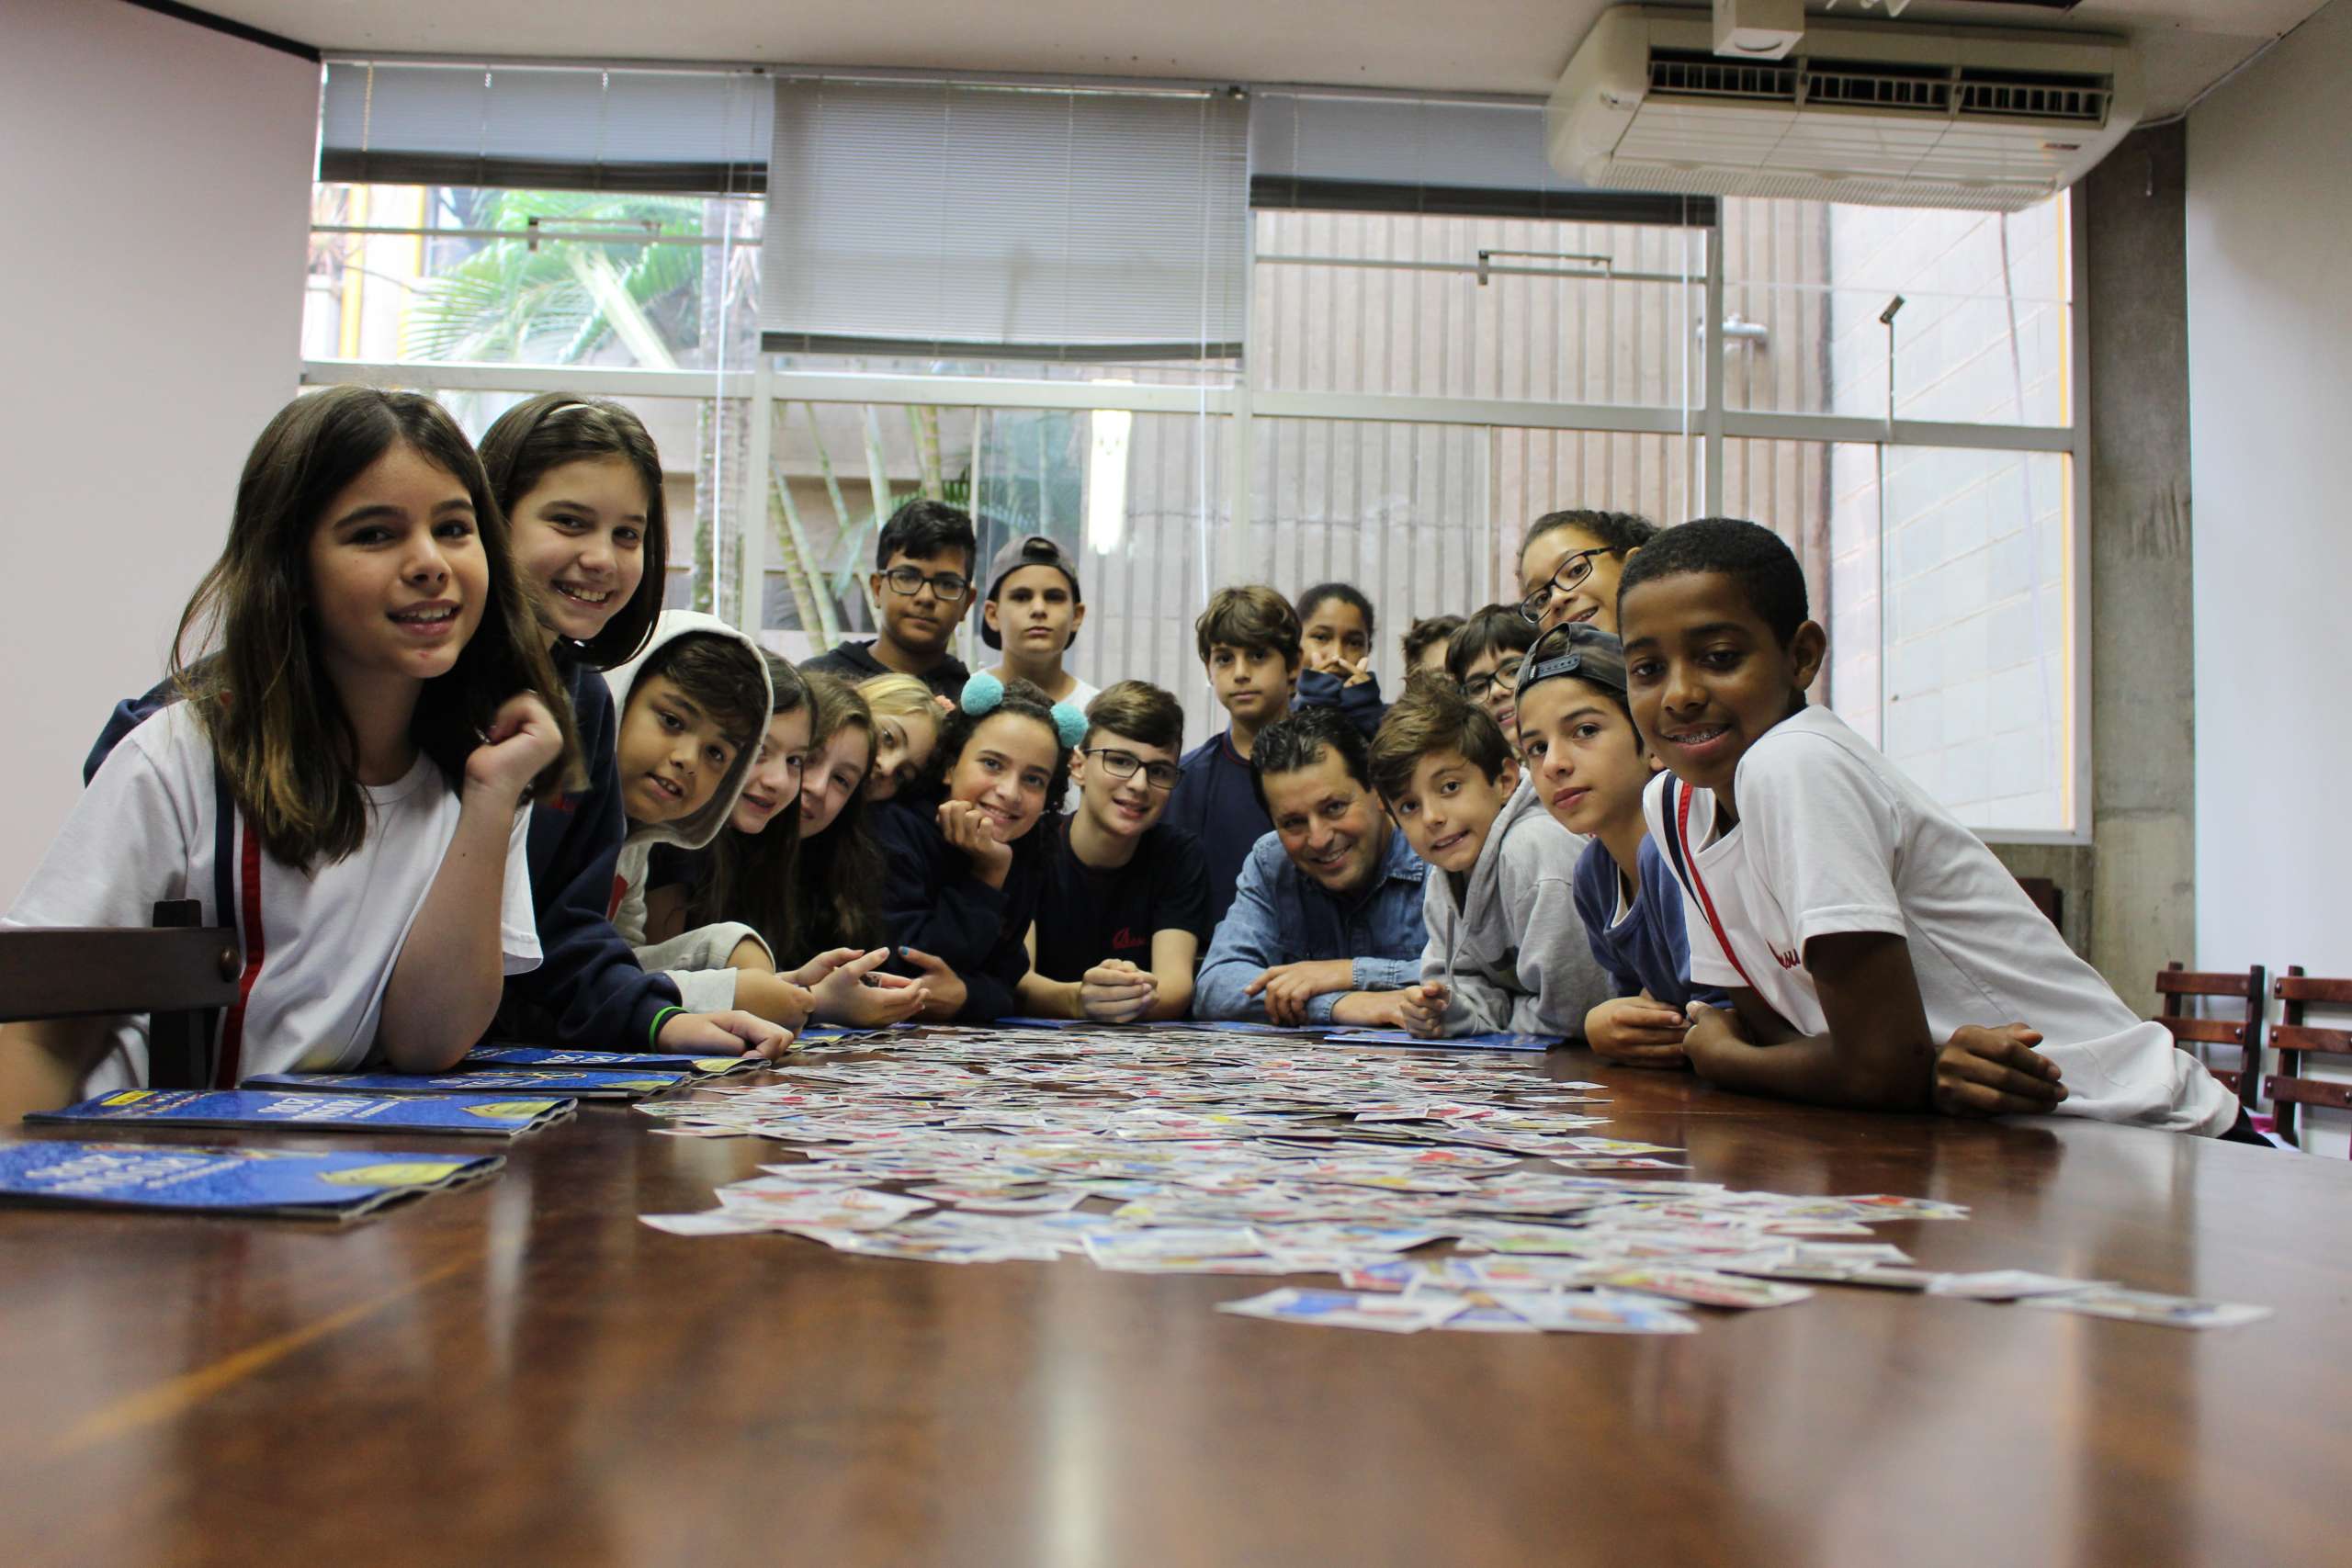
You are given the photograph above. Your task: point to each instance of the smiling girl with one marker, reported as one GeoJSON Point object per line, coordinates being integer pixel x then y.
{"type": "Point", "coordinates": [906, 729]}
{"type": "Point", "coordinates": [342, 782]}
{"type": "Point", "coordinates": [580, 481]}
{"type": "Point", "coordinates": [749, 879]}
{"type": "Point", "coordinates": [1570, 563]}
{"type": "Point", "coordinates": [964, 867]}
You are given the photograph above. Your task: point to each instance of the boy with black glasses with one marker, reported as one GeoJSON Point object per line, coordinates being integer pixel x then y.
{"type": "Point", "coordinates": [1484, 658]}
{"type": "Point", "coordinates": [1124, 911]}
{"type": "Point", "coordinates": [921, 587]}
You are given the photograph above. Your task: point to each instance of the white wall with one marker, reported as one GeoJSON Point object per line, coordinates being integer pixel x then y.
{"type": "Point", "coordinates": [157, 188]}
{"type": "Point", "coordinates": [2270, 410]}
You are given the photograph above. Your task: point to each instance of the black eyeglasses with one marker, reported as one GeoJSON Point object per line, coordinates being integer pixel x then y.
{"type": "Point", "coordinates": [1123, 765]}
{"type": "Point", "coordinates": [1505, 676]}
{"type": "Point", "coordinates": [1571, 571]}
{"type": "Point", "coordinates": [906, 580]}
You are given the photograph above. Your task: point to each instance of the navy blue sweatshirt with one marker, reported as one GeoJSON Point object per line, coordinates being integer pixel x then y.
{"type": "Point", "coordinates": [932, 902]}
{"type": "Point", "coordinates": [1360, 704]}
{"type": "Point", "coordinates": [588, 992]}
{"type": "Point", "coordinates": [1214, 803]}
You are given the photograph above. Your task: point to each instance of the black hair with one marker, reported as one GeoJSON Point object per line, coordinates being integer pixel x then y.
{"type": "Point", "coordinates": [1023, 697]}
{"type": "Point", "coordinates": [924, 528]}
{"type": "Point", "coordinates": [1347, 594]}
{"type": "Point", "coordinates": [1497, 628]}
{"type": "Point", "coordinates": [1299, 741]}
{"type": "Point", "coordinates": [1619, 533]}
{"type": "Point", "coordinates": [719, 675]}
{"type": "Point", "coordinates": [1756, 559]}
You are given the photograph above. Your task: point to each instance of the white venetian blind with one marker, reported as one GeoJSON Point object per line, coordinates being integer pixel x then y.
{"type": "Point", "coordinates": [972, 222]}
{"type": "Point", "coordinates": [544, 127]}
{"type": "Point", "coordinates": [1440, 157]}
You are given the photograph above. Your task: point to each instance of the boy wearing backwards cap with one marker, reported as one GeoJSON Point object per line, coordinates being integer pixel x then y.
{"type": "Point", "coordinates": [1588, 767]}
{"type": "Point", "coordinates": [1032, 614]}
{"type": "Point", "coordinates": [1505, 951]}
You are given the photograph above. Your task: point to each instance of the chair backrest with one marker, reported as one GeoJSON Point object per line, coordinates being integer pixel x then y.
{"type": "Point", "coordinates": [177, 972]}
{"type": "Point", "coordinates": [2291, 1036]}
{"type": "Point", "coordinates": [2180, 985]}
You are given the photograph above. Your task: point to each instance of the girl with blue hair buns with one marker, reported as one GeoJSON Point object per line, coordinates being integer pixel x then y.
{"type": "Point", "coordinates": [966, 865]}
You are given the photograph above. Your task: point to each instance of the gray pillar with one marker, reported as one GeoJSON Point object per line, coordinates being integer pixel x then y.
{"type": "Point", "coordinates": [2144, 727]}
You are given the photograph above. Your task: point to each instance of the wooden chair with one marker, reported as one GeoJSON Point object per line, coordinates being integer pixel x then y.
{"type": "Point", "coordinates": [2179, 986]}
{"type": "Point", "coordinates": [2291, 1037]}
{"type": "Point", "coordinates": [177, 972]}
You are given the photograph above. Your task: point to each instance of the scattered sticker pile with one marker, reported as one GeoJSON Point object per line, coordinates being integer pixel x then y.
{"type": "Point", "coordinates": [1201, 1153]}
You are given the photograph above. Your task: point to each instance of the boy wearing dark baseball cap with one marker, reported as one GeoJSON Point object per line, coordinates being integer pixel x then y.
{"type": "Point", "coordinates": [1033, 613]}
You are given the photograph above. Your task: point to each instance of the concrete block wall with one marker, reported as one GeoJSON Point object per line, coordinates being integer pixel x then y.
{"type": "Point", "coordinates": [1963, 595]}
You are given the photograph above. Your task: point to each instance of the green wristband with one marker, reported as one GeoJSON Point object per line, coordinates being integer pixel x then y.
{"type": "Point", "coordinates": [653, 1035]}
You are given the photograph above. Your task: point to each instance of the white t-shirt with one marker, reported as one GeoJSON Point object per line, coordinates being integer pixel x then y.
{"type": "Point", "coordinates": [145, 830]}
{"type": "Point", "coordinates": [1832, 839]}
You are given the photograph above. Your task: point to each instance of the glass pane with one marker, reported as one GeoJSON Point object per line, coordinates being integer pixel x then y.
{"type": "Point", "coordinates": [1399, 510]}
{"type": "Point", "coordinates": [1977, 630]}
{"type": "Point", "coordinates": [655, 282]}
{"type": "Point", "coordinates": [698, 477]}
{"type": "Point", "coordinates": [1959, 672]}
{"type": "Point", "coordinates": [1536, 471]}
{"type": "Point", "coordinates": [1982, 336]}
{"type": "Point", "coordinates": [1136, 498]}
{"type": "Point", "coordinates": [1389, 302]}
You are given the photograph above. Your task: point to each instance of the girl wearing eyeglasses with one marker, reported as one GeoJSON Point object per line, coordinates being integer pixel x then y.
{"type": "Point", "coordinates": [1568, 566]}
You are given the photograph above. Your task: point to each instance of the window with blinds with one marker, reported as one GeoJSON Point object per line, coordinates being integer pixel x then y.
{"type": "Point", "coordinates": [967, 222]}
{"type": "Point", "coordinates": [545, 128]}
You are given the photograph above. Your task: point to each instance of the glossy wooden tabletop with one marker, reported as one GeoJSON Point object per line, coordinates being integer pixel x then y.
{"type": "Point", "coordinates": [524, 1374]}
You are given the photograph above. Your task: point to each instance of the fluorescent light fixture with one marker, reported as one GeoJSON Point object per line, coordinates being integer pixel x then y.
{"type": "Point", "coordinates": [1106, 480]}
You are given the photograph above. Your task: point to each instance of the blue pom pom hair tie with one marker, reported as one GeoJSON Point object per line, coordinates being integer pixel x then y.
{"type": "Point", "coordinates": [983, 693]}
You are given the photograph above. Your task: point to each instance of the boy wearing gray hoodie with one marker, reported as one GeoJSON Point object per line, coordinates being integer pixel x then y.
{"type": "Point", "coordinates": [1506, 949]}
{"type": "Point", "coordinates": [693, 708]}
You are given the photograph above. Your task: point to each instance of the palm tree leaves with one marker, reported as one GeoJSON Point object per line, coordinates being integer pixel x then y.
{"type": "Point", "coordinates": [558, 300]}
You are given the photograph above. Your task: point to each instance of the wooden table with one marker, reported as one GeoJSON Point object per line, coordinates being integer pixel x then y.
{"type": "Point", "coordinates": [523, 1374]}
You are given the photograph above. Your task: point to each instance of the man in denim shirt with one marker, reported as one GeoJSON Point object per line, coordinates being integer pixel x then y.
{"type": "Point", "coordinates": [1326, 923]}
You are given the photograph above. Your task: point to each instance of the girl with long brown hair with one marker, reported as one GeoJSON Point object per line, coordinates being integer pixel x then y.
{"type": "Point", "coordinates": [345, 781]}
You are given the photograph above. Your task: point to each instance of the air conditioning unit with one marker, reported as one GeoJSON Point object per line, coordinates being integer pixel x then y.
{"type": "Point", "coordinates": [1892, 115]}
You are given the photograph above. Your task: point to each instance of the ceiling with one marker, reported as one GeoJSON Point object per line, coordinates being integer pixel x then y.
{"type": "Point", "coordinates": [1482, 46]}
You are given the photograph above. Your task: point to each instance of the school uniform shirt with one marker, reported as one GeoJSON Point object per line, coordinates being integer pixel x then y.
{"type": "Point", "coordinates": [1086, 917]}
{"type": "Point", "coordinates": [318, 946]}
{"type": "Point", "coordinates": [932, 903]}
{"type": "Point", "coordinates": [1638, 942]}
{"type": "Point", "coordinates": [1832, 839]}
{"type": "Point", "coordinates": [855, 662]}
{"type": "Point", "coordinates": [589, 992]}
{"type": "Point", "coordinates": [1280, 914]}
{"type": "Point", "coordinates": [1214, 803]}
{"type": "Point", "coordinates": [1509, 948]}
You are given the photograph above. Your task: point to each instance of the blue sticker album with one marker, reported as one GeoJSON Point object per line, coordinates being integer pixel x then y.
{"type": "Point", "coordinates": [470, 1115]}
{"type": "Point", "coordinates": [229, 1181]}
{"type": "Point", "coordinates": [525, 1080]}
